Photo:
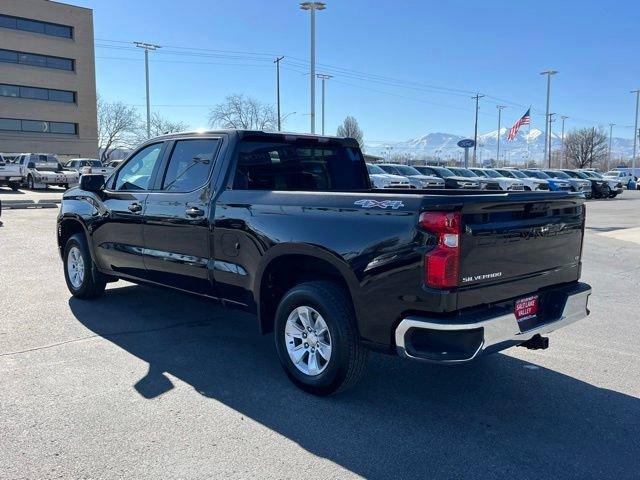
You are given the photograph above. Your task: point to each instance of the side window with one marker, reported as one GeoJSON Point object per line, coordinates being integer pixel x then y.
{"type": "Point", "coordinates": [190, 164]}
{"type": "Point", "coordinates": [136, 174]}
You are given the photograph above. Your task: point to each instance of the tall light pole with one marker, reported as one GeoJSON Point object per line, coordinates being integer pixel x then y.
{"type": "Point", "coordinates": [277, 62]}
{"type": "Point", "coordinates": [564, 156]}
{"type": "Point", "coordinates": [499, 107]}
{"type": "Point", "coordinates": [547, 123]}
{"type": "Point", "coordinates": [611, 125]}
{"type": "Point", "coordinates": [312, 7]}
{"type": "Point", "coordinates": [635, 132]}
{"type": "Point", "coordinates": [147, 47]}
{"type": "Point", "coordinates": [475, 131]}
{"type": "Point", "coordinates": [323, 77]}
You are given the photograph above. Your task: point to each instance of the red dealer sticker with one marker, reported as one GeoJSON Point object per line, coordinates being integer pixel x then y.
{"type": "Point", "coordinates": [526, 308]}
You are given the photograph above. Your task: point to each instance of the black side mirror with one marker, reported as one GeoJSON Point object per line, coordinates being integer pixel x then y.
{"type": "Point", "coordinates": [31, 165]}
{"type": "Point", "coordinates": [92, 183]}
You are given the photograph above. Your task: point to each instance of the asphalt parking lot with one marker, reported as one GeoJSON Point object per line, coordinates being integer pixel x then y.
{"type": "Point", "coordinates": [148, 383]}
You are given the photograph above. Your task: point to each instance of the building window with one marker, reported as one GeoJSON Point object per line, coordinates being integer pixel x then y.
{"type": "Point", "coordinates": [38, 126]}
{"type": "Point", "coordinates": [36, 60]}
{"type": "Point", "coordinates": [37, 93]}
{"type": "Point", "coordinates": [36, 26]}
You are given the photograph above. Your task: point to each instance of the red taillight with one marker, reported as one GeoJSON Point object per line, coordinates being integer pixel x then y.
{"type": "Point", "coordinates": [442, 264]}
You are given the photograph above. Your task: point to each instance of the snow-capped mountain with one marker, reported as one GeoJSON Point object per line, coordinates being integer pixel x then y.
{"type": "Point", "coordinates": [528, 144]}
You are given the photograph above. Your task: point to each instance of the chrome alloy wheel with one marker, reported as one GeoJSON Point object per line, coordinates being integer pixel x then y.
{"type": "Point", "coordinates": [308, 340]}
{"type": "Point", "coordinates": [75, 267]}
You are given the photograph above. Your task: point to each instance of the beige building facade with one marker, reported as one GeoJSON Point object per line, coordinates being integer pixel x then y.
{"type": "Point", "coordinates": [47, 79]}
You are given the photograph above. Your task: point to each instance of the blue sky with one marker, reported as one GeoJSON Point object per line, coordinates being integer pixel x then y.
{"type": "Point", "coordinates": [402, 68]}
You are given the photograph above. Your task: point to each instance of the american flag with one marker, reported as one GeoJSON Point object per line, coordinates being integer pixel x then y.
{"type": "Point", "coordinates": [523, 120]}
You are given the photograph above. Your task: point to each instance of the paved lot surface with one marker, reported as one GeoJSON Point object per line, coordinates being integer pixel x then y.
{"type": "Point", "coordinates": [147, 383]}
{"type": "Point", "coordinates": [6, 194]}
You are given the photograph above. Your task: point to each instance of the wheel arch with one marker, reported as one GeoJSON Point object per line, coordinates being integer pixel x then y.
{"type": "Point", "coordinates": [286, 265]}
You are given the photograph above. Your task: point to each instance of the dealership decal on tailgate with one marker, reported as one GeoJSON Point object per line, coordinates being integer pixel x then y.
{"type": "Point", "coordinates": [526, 309]}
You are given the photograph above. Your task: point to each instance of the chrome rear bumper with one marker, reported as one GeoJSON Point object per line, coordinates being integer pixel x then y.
{"type": "Point", "coordinates": [484, 336]}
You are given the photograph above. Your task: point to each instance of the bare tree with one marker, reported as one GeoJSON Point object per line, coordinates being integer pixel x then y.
{"type": "Point", "coordinates": [238, 111]}
{"type": "Point", "coordinates": [350, 128]}
{"type": "Point", "coordinates": [116, 124]}
{"type": "Point", "coordinates": [159, 125]}
{"type": "Point", "coordinates": [586, 147]}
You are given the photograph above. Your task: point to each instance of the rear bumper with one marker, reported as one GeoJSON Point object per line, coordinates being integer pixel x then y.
{"type": "Point", "coordinates": [443, 341]}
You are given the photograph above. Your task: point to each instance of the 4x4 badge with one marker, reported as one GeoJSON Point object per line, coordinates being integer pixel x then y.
{"type": "Point", "coordinates": [368, 203]}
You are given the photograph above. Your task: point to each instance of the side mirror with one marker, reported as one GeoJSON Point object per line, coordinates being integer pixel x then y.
{"type": "Point", "coordinates": [31, 165]}
{"type": "Point", "coordinates": [92, 183]}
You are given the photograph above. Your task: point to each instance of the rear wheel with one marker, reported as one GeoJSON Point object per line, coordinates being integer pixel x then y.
{"type": "Point", "coordinates": [79, 268]}
{"type": "Point", "coordinates": [316, 338]}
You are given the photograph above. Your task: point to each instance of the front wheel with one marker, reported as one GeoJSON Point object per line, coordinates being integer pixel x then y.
{"type": "Point", "coordinates": [30, 183]}
{"type": "Point", "coordinates": [613, 195]}
{"type": "Point", "coordinates": [14, 186]}
{"type": "Point", "coordinates": [316, 338]}
{"type": "Point", "coordinates": [78, 269]}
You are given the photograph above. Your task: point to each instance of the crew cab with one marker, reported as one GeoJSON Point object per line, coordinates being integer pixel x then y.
{"type": "Point", "coordinates": [39, 170]}
{"type": "Point", "coordinates": [9, 174]}
{"type": "Point", "coordinates": [623, 176]}
{"type": "Point", "coordinates": [288, 227]}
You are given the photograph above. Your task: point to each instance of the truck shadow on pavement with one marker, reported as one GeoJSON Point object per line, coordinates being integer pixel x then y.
{"type": "Point", "coordinates": [499, 417]}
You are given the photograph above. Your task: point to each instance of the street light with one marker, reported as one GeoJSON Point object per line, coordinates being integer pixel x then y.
{"type": "Point", "coordinates": [564, 156]}
{"type": "Point", "coordinates": [499, 107]}
{"type": "Point", "coordinates": [323, 77]}
{"type": "Point", "coordinates": [611, 125]}
{"type": "Point", "coordinates": [635, 132]}
{"type": "Point", "coordinates": [312, 7]}
{"type": "Point", "coordinates": [147, 47]}
{"type": "Point", "coordinates": [548, 73]}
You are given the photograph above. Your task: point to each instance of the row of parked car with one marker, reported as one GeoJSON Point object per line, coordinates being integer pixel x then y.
{"type": "Point", "coordinates": [40, 170]}
{"type": "Point", "coordinates": [592, 184]}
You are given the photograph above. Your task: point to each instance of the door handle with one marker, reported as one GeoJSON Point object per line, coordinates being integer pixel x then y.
{"type": "Point", "coordinates": [194, 212]}
{"type": "Point", "coordinates": [135, 207]}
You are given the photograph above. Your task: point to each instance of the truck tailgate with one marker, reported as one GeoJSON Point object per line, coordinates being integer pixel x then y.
{"type": "Point", "coordinates": [519, 238]}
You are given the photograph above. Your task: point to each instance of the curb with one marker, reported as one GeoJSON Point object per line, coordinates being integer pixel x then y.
{"type": "Point", "coordinates": [32, 204]}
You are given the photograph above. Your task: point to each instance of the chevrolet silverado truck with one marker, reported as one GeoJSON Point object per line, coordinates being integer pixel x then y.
{"type": "Point", "coordinates": [288, 227]}
{"type": "Point", "coordinates": [39, 170]}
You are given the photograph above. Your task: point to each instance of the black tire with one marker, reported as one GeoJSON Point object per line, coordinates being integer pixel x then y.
{"type": "Point", "coordinates": [606, 191]}
{"type": "Point", "coordinates": [348, 357]}
{"type": "Point", "coordinates": [65, 186]}
{"type": "Point", "coordinates": [90, 287]}
{"type": "Point", "coordinates": [613, 195]}
{"type": "Point", "coordinates": [527, 189]}
{"type": "Point", "coordinates": [30, 183]}
{"type": "Point", "coordinates": [14, 186]}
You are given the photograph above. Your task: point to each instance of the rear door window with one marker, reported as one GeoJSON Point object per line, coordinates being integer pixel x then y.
{"type": "Point", "coordinates": [301, 165]}
{"type": "Point", "coordinates": [190, 164]}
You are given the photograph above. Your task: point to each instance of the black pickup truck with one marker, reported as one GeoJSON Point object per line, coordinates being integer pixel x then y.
{"type": "Point", "coordinates": [287, 226]}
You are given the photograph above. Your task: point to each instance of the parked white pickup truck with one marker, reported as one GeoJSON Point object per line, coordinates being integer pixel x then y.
{"type": "Point", "coordinates": [86, 166]}
{"type": "Point", "coordinates": [39, 170]}
{"type": "Point", "coordinates": [9, 174]}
